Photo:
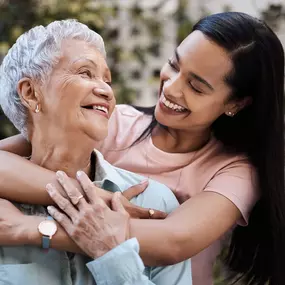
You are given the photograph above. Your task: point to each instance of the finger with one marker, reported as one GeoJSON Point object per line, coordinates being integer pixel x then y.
{"type": "Point", "coordinates": [72, 192]}
{"type": "Point", "coordinates": [158, 215]}
{"type": "Point", "coordinates": [61, 218]}
{"type": "Point", "coordinates": [135, 190]}
{"type": "Point", "coordinates": [88, 187]}
{"type": "Point", "coordinates": [143, 213]}
{"type": "Point", "coordinates": [63, 203]}
{"type": "Point", "coordinates": [117, 204]}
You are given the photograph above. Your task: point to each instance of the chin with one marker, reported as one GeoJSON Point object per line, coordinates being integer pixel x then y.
{"type": "Point", "coordinates": [97, 134]}
{"type": "Point", "coordinates": [160, 117]}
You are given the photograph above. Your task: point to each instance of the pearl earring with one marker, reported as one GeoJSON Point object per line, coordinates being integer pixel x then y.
{"type": "Point", "coordinates": [231, 114]}
{"type": "Point", "coordinates": [37, 109]}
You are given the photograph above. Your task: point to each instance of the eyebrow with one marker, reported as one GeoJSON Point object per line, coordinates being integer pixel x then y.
{"type": "Point", "coordinates": [87, 59]}
{"type": "Point", "coordinates": [194, 75]}
{"type": "Point", "coordinates": [200, 79]}
{"type": "Point", "coordinates": [177, 55]}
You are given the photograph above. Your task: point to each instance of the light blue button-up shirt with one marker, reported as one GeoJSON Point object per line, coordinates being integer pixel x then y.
{"type": "Point", "coordinates": [121, 266]}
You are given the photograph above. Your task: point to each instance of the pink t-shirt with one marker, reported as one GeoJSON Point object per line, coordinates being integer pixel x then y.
{"type": "Point", "coordinates": [208, 169]}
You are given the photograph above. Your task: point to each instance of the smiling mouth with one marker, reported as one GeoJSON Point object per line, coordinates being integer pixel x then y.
{"type": "Point", "coordinates": [100, 108]}
{"type": "Point", "coordinates": [173, 106]}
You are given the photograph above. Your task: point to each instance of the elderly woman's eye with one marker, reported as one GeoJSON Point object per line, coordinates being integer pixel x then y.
{"type": "Point", "coordinates": [109, 83]}
{"type": "Point", "coordinates": [86, 73]}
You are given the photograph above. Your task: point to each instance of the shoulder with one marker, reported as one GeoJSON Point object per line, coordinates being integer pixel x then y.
{"type": "Point", "coordinates": [126, 124]}
{"type": "Point", "coordinates": [128, 116]}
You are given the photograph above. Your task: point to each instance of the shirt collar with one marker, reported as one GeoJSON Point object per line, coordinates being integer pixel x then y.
{"type": "Point", "coordinates": [106, 175]}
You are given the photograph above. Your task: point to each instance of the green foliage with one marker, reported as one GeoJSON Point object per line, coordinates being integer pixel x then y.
{"type": "Point", "coordinates": [185, 24]}
{"type": "Point", "coordinates": [18, 16]}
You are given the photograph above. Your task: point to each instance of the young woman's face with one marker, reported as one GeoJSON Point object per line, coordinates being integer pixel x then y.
{"type": "Point", "coordinates": [193, 91]}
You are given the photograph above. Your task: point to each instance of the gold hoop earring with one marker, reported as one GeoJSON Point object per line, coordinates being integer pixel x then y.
{"type": "Point", "coordinates": [37, 109]}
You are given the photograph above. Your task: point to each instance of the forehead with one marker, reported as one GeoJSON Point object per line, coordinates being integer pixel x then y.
{"type": "Point", "coordinates": [73, 51]}
{"type": "Point", "coordinates": [200, 55]}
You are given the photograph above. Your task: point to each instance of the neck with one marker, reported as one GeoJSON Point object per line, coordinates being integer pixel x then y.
{"type": "Point", "coordinates": [177, 141]}
{"type": "Point", "coordinates": [61, 154]}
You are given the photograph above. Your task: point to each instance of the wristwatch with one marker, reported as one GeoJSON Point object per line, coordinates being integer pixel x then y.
{"type": "Point", "coordinates": [47, 228]}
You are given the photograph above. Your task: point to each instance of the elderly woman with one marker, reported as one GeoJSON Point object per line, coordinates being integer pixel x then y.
{"type": "Point", "coordinates": [55, 88]}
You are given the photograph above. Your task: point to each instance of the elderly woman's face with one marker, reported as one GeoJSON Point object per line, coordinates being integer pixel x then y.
{"type": "Point", "coordinates": [78, 98]}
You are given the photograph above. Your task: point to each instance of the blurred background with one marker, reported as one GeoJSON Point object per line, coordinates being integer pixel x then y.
{"type": "Point", "coordinates": [139, 36]}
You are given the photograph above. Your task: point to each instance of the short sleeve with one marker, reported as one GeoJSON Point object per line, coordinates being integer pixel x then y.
{"type": "Point", "coordinates": [237, 182]}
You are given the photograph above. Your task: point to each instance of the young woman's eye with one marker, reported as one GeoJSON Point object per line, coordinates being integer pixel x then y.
{"type": "Point", "coordinates": [109, 83]}
{"type": "Point", "coordinates": [86, 73]}
{"type": "Point", "coordinates": [172, 65]}
{"type": "Point", "coordinates": [195, 89]}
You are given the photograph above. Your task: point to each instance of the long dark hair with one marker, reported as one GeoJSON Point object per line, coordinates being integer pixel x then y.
{"type": "Point", "coordinates": [257, 252]}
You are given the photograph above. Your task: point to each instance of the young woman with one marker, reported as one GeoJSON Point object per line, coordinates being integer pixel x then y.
{"type": "Point", "coordinates": [215, 138]}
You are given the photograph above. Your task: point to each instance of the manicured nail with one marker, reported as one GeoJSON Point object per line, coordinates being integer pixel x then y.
{"type": "Point", "coordinates": [50, 209]}
{"type": "Point", "coordinates": [59, 174]}
{"type": "Point", "coordinates": [79, 173]}
{"type": "Point", "coordinates": [49, 188]}
{"type": "Point", "coordinates": [143, 182]}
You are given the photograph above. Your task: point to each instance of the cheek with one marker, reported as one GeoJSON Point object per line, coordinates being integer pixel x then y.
{"type": "Point", "coordinates": [209, 110]}
{"type": "Point", "coordinates": [164, 73]}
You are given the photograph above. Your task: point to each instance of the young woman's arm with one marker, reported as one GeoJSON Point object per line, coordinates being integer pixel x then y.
{"type": "Point", "coordinates": [188, 230]}
{"type": "Point", "coordinates": [24, 182]}
{"type": "Point", "coordinates": [192, 227]}
{"type": "Point", "coordinates": [16, 144]}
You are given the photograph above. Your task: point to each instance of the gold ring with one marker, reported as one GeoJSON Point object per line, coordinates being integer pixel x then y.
{"type": "Point", "coordinates": [151, 213]}
{"type": "Point", "coordinates": [78, 199]}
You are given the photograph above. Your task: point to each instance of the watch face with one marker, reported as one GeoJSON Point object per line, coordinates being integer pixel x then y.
{"type": "Point", "coordinates": [47, 228]}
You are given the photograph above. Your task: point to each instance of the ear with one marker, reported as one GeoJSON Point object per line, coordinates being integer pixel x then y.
{"type": "Point", "coordinates": [28, 94]}
{"type": "Point", "coordinates": [232, 108]}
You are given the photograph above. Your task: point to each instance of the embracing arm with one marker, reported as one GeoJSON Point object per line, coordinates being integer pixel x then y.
{"type": "Point", "coordinates": [22, 181]}
{"type": "Point", "coordinates": [25, 182]}
{"type": "Point", "coordinates": [188, 230]}
{"type": "Point", "coordinates": [192, 227]}
{"type": "Point", "coordinates": [16, 144]}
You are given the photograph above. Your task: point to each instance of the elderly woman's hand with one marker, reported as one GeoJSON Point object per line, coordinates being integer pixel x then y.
{"type": "Point", "coordinates": [135, 212]}
{"type": "Point", "coordinates": [93, 226]}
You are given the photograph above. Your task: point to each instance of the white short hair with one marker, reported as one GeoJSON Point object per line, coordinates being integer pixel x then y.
{"type": "Point", "coordinates": [34, 55]}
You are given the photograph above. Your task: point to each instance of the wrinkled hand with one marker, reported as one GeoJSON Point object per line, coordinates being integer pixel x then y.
{"type": "Point", "coordinates": [135, 212]}
{"type": "Point", "coordinates": [93, 226]}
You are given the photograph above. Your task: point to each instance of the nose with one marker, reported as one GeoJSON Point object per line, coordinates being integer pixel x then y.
{"type": "Point", "coordinates": [105, 92]}
{"type": "Point", "coordinates": [173, 86]}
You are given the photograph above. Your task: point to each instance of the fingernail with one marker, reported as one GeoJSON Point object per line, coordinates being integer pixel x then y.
{"type": "Point", "coordinates": [143, 182]}
{"type": "Point", "coordinates": [49, 187]}
{"type": "Point", "coordinates": [79, 173]}
{"type": "Point", "coordinates": [118, 194]}
{"type": "Point", "coordinates": [50, 209]}
{"type": "Point", "coordinates": [59, 175]}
